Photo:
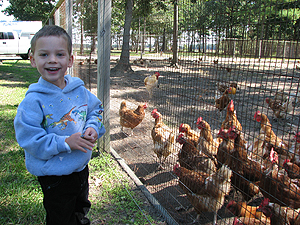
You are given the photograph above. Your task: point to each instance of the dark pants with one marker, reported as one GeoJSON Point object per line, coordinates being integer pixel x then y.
{"type": "Point", "coordinates": [66, 198]}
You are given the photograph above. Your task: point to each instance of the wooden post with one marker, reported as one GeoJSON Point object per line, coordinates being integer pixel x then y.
{"type": "Point", "coordinates": [103, 67]}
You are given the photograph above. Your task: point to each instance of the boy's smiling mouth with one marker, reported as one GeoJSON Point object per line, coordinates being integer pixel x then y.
{"type": "Point", "coordinates": [52, 69]}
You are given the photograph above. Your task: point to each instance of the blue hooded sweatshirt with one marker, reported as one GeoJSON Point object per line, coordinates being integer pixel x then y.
{"type": "Point", "coordinates": [47, 116]}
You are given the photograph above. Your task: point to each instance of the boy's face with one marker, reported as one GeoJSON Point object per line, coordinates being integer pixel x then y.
{"type": "Point", "coordinates": [51, 58]}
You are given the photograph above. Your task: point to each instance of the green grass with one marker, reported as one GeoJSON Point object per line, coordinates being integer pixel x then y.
{"type": "Point", "coordinates": [20, 193]}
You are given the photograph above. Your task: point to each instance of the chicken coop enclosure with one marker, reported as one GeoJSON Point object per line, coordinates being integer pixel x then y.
{"type": "Point", "coordinates": [227, 94]}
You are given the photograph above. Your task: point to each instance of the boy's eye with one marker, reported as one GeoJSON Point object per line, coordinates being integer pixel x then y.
{"type": "Point", "coordinates": [60, 54]}
{"type": "Point", "coordinates": [43, 54]}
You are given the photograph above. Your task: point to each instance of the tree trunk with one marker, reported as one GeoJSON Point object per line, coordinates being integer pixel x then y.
{"type": "Point", "coordinates": [138, 37]}
{"type": "Point", "coordinates": [124, 64]}
{"type": "Point", "coordinates": [81, 34]}
{"type": "Point", "coordinates": [93, 44]}
{"type": "Point", "coordinates": [143, 37]}
{"type": "Point", "coordinates": [150, 46]}
{"type": "Point", "coordinates": [163, 47]}
{"type": "Point", "coordinates": [175, 35]}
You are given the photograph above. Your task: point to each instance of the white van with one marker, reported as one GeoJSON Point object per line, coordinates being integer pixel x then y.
{"type": "Point", "coordinates": [13, 44]}
{"type": "Point", "coordinates": [15, 37]}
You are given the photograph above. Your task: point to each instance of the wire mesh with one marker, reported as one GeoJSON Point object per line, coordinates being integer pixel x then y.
{"type": "Point", "coordinates": [247, 52]}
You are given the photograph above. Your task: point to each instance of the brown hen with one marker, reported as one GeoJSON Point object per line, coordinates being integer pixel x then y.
{"type": "Point", "coordinates": [231, 118]}
{"type": "Point", "coordinates": [191, 158]}
{"type": "Point", "coordinates": [163, 138]}
{"type": "Point", "coordinates": [206, 192]}
{"type": "Point", "coordinates": [131, 118]}
{"type": "Point", "coordinates": [206, 142]}
{"type": "Point", "coordinates": [267, 139]}
{"type": "Point", "coordinates": [189, 133]}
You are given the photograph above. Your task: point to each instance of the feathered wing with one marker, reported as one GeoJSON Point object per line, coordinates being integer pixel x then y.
{"type": "Point", "coordinates": [163, 137]}
{"type": "Point", "coordinates": [216, 187]}
{"type": "Point", "coordinates": [131, 118]}
{"type": "Point", "coordinates": [206, 142]}
{"type": "Point", "coordinates": [279, 188]}
{"type": "Point", "coordinates": [205, 191]}
{"type": "Point", "coordinates": [163, 140]}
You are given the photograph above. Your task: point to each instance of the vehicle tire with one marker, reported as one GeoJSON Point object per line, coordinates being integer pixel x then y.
{"type": "Point", "coordinates": [26, 56]}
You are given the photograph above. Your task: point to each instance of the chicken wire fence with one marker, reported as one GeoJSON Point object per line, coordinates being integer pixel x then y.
{"type": "Point", "coordinates": [238, 69]}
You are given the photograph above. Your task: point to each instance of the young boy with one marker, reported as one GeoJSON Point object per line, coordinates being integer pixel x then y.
{"type": "Point", "coordinates": [57, 124]}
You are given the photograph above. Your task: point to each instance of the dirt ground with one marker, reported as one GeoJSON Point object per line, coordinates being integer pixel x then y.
{"type": "Point", "coordinates": [137, 151]}
{"type": "Point", "coordinates": [182, 104]}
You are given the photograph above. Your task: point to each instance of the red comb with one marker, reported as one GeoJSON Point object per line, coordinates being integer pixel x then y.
{"type": "Point", "coordinates": [257, 112]}
{"type": "Point", "coordinates": [199, 120]}
{"type": "Point", "coordinates": [154, 111]}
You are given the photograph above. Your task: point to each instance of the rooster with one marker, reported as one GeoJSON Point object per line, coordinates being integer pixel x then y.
{"type": "Point", "coordinates": [163, 138]}
{"type": "Point", "coordinates": [151, 82]}
{"type": "Point", "coordinates": [189, 133]}
{"type": "Point", "coordinates": [190, 157]}
{"type": "Point", "coordinates": [206, 192]}
{"type": "Point", "coordinates": [131, 118]}
{"type": "Point", "coordinates": [206, 142]}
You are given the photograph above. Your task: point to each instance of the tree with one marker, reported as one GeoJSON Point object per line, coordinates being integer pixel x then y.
{"type": "Point", "coordinates": [117, 20]}
{"type": "Point", "coordinates": [123, 63]}
{"type": "Point", "coordinates": [145, 8]}
{"type": "Point", "coordinates": [78, 12]}
{"type": "Point", "coordinates": [29, 10]}
{"type": "Point", "coordinates": [90, 21]}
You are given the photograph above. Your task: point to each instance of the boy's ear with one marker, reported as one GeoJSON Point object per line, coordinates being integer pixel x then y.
{"type": "Point", "coordinates": [32, 61]}
{"type": "Point", "coordinates": [71, 60]}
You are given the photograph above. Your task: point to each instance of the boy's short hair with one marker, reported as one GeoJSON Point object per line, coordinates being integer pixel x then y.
{"type": "Point", "coordinates": [51, 30]}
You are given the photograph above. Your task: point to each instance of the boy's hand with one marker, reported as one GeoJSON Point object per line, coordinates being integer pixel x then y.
{"type": "Point", "coordinates": [77, 142]}
{"type": "Point", "coordinates": [90, 134]}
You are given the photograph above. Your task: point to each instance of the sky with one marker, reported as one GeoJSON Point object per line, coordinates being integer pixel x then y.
{"type": "Point", "coordinates": [5, 3]}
